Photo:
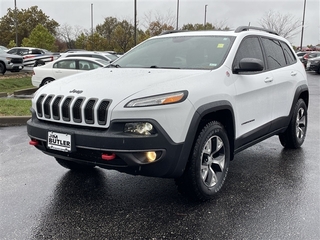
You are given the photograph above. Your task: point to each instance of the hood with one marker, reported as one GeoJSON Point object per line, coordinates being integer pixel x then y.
{"type": "Point", "coordinates": [10, 55]}
{"type": "Point", "coordinates": [116, 83]}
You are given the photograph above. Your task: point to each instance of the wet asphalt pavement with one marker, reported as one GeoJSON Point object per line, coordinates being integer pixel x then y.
{"type": "Point", "coordinates": [270, 193]}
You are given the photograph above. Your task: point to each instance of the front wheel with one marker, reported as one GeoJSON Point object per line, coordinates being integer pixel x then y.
{"type": "Point", "coordinates": [208, 165]}
{"type": "Point", "coordinates": [295, 134]}
{"type": "Point", "coordinates": [74, 165]}
{"type": "Point", "coordinates": [2, 68]}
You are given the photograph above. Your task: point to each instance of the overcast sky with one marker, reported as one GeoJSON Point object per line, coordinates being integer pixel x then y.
{"type": "Point", "coordinates": [233, 12]}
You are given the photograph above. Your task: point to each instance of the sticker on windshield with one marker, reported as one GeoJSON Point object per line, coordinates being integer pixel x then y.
{"type": "Point", "coordinates": [220, 45]}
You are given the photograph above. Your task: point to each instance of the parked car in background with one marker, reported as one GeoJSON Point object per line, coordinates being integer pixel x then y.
{"type": "Point", "coordinates": [64, 67]}
{"type": "Point", "coordinates": [10, 62]}
{"type": "Point", "coordinates": [107, 56]}
{"type": "Point", "coordinates": [308, 56]}
{"type": "Point", "coordinates": [313, 64]}
{"type": "Point", "coordinates": [34, 56]}
{"type": "Point", "coordinates": [301, 54]}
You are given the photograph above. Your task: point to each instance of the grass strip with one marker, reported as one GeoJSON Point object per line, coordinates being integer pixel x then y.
{"type": "Point", "coordinates": [10, 85]}
{"type": "Point", "coordinates": [15, 107]}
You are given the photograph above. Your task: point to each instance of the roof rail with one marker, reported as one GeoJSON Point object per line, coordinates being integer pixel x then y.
{"type": "Point", "coordinates": [246, 28]}
{"type": "Point", "coordinates": [172, 31]}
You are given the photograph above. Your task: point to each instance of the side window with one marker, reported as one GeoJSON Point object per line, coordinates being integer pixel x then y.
{"type": "Point", "coordinates": [290, 57]}
{"type": "Point", "coordinates": [249, 48]}
{"type": "Point", "coordinates": [84, 65]}
{"type": "Point", "coordinates": [65, 64]}
{"type": "Point", "coordinates": [23, 52]}
{"type": "Point", "coordinates": [274, 53]}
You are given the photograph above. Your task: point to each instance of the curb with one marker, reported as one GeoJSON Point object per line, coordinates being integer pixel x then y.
{"type": "Point", "coordinates": [6, 121]}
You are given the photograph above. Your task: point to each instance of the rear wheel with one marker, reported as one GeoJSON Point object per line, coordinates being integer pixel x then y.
{"type": "Point", "coordinates": [74, 165]}
{"type": "Point", "coordinates": [208, 165]}
{"type": "Point", "coordinates": [46, 81]}
{"type": "Point", "coordinates": [295, 134]}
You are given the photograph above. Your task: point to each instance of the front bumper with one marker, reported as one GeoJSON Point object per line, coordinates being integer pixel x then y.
{"type": "Point", "coordinates": [313, 67]}
{"type": "Point", "coordinates": [90, 143]}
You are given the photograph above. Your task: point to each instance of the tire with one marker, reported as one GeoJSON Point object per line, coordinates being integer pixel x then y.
{"type": "Point", "coordinates": [2, 68]}
{"type": "Point", "coordinates": [295, 134]}
{"type": "Point", "coordinates": [46, 81]}
{"type": "Point", "coordinates": [207, 167]}
{"type": "Point", "coordinates": [74, 166]}
{"type": "Point", "coordinates": [39, 63]}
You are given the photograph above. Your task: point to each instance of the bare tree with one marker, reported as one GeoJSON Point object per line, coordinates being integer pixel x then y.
{"type": "Point", "coordinates": [164, 21]}
{"type": "Point", "coordinates": [69, 34]}
{"type": "Point", "coordinates": [286, 25]}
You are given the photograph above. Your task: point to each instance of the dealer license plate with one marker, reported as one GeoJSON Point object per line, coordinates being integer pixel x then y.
{"type": "Point", "coordinates": [59, 141]}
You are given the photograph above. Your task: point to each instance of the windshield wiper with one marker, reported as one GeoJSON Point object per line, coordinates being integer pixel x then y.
{"type": "Point", "coordinates": [114, 65]}
{"type": "Point", "coordinates": [155, 66]}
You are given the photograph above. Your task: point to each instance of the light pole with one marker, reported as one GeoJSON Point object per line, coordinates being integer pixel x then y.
{"type": "Point", "coordinates": [15, 21]}
{"type": "Point", "coordinates": [304, 13]}
{"type": "Point", "coordinates": [205, 16]}
{"type": "Point", "coordinates": [91, 19]}
{"type": "Point", "coordinates": [177, 27]}
{"type": "Point", "coordinates": [135, 22]}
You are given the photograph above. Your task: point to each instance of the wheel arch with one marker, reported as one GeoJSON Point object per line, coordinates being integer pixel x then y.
{"type": "Point", "coordinates": [220, 111]}
{"type": "Point", "coordinates": [45, 79]}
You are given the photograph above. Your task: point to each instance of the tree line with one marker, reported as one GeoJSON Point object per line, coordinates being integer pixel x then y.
{"type": "Point", "coordinates": [33, 28]}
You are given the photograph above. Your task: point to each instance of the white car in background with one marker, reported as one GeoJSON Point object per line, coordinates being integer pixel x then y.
{"type": "Point", "coordinates": [64, 67]}
{"type": "Point", "coordinates": [108, 56]}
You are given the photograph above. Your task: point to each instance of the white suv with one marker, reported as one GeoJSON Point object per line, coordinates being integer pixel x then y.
{"type": "Point", "coordinates": [179, 105]}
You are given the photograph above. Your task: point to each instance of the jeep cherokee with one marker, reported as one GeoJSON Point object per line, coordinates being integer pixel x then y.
{"type": "Point", "coordinates": [179, 105]}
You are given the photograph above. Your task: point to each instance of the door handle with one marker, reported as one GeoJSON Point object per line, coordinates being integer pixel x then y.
{"type": "Point", "coordinates": [293, 73]}
{"type": "Point", "coordinates": [268, 79]}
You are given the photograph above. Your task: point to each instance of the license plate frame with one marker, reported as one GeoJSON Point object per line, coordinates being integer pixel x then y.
{"type": "Point", "coordinates": [58, 141]}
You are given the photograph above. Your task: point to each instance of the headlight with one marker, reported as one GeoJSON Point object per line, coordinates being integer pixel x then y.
{"type": "Point", "coordinates": [162, 99]}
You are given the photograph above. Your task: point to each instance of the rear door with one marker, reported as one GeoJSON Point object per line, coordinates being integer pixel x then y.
{"type": "Point", "coordinates": [282, 62]}
{"type": "Point", "coordinates": [64, 68]}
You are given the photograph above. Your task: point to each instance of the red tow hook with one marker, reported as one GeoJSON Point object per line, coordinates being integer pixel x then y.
{"type": "Point", "coordinates": [33, 142]}
{"type": "Point", "coordinates": [108, 156]}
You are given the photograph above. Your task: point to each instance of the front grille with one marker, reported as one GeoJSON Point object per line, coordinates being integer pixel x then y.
{"type": "Point", "coordinates": [17, 60]}
{"type": "Point", "coordinates": [72, 110]}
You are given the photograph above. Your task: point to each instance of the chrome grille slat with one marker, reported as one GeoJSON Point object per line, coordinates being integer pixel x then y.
{"type": "Point", "coordinates": [72, 109]}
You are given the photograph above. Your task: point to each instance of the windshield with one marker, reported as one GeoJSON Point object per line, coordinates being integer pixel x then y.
{"type": "Point", "coordinates": [188, 52]}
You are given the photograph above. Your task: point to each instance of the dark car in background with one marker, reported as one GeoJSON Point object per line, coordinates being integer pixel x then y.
{"type": "Point", "coordinates": [10, 62]}
{"type": "Point", "coordinates": [313, 64]}
{"type": "Point", "coordinates": [308, 56]}
{"type": "Point", "coordinates": [34, 56]}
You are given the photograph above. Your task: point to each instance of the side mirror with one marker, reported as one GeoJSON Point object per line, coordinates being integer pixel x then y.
{"type": "Point", "coordinates": [249, 65]}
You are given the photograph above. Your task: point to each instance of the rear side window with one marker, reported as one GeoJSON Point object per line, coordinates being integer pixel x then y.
{"type": "Point", "coordinates": [291, 59]}
{"type": "Point", "coordinates": [274, 54]}
{"type": "Point", "coordinates": [249, 48]}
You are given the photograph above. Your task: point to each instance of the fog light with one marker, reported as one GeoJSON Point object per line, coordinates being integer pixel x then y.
{"type": "Point", "coordinates": [141, 128]}
{"type": "Point", "coordinates": [151, 156]}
